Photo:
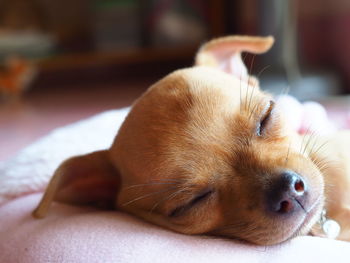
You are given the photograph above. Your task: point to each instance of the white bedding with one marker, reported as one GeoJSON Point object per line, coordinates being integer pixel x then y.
{"type": "Point", "coordinates": [31, 169]}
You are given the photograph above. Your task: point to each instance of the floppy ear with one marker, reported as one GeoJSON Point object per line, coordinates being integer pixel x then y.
{"type": "Point", "coordinates": [83, 180]}
{"type": "Point", "coordinates": [225, 53]}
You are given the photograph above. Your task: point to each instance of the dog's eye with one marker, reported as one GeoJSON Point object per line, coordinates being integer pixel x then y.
{"type": "Point", "coordinates": [196, 200]}
{"type": "Point", "coordinates": [265, 119]}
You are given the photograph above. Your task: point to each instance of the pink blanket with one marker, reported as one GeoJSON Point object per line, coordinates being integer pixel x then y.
{"type": "Point", "coordinates": [80, 234]}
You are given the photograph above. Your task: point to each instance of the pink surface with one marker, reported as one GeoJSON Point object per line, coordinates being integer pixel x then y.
{"type": "Point", "coordinates": [73, 234]}
{"type": "Point", "coordinates": [78, 234]}
{"type": "Point", "coordinates": [307, 117]}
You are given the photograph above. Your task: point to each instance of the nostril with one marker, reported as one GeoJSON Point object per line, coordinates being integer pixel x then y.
{"type": "Point", "coordinates": [299, 186]}
{"type": "Point", "coordinates": [287, 193]}
{"type": "Point", "coordinates": [285, 207]}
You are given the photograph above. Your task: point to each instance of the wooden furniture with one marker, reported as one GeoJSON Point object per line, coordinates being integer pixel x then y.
{"type": "Point", "coordinates": [133, 55]}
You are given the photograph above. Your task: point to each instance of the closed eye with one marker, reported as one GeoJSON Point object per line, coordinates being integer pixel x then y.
{"type": "Point", "coordinates": [265, 119]}
{"type": "Point", "coordinates": [180, 210]}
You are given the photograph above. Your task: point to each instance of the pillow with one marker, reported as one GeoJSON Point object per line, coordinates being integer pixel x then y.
{"type": "Point", "coordinates": [83, 234]}
{"type": "Point", "coordinates": [31, 169]}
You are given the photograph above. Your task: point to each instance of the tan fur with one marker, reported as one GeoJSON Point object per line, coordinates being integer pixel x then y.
{"type": "Point", "coordinates": [194, 133]}
{"type": "Point", "coordinates": [332, 155]}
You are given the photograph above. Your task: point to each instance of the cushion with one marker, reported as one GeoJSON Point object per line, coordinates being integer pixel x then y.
{"type": "Point", "coordinates": [83, 234]}
{"type": "Point", "coordinates": [31, 169]}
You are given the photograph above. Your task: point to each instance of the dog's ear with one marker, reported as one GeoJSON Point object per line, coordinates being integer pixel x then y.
{"type": "Point", "coordinates": [84, 180]}
{"type": "Point", "coordinates": [225, 53]}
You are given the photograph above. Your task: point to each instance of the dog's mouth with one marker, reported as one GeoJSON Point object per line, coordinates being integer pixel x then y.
{"type": "Point", "coordinates": [310, 217]}
{"type": "Point", "coordinates": [300, 225]}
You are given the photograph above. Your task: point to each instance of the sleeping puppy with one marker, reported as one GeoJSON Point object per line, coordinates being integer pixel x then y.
{"type": "Point", "coordinates": [204, 151]}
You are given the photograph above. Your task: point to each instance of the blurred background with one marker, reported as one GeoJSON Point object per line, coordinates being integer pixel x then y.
{"type": "Point", "coordinates": [61, 61]}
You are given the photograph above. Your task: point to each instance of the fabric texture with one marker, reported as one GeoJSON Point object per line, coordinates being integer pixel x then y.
{"type": "Point", "coordinates": [31, 169]}
{"type": "Point", "coordinates": [81, 234]}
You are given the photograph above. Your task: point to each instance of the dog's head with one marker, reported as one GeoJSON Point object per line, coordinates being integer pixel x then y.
{"type": "Point", "coordinates": [204, 151]}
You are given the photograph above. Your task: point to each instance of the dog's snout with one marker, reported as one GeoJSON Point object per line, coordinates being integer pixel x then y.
{"type": "Point", "coordinates": [287, 193]}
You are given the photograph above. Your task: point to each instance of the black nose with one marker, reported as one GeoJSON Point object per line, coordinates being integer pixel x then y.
{"type": "Point", "coordinates": [287, 193]}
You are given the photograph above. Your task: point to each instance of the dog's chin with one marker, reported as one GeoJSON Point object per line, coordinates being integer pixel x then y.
{"type": "Point", "coordinates": [284, 229]}
{"type": "Point", "coordinates": [297, 227]}
{"type": "Point", "coordinates": [310, 219]}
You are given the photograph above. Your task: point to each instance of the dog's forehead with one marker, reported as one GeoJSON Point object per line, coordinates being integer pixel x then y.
{"type": "Point", "coordinates": [201, 86]}
{"type": "Point", "coordinates": [201, 79]}
{"type": "Point", "coordinates": [204, 90]}
{"type": "Point", "coordinates": [198, 109]}
{"type": "Point", "coordinates": [180, 116]}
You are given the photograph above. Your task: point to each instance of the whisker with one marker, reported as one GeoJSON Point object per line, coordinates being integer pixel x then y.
{"type": "Point", "coordinates": [251, 67]}
{"type": "Point", "coordinates": [255, 86]}
{"type": "Point", "coordinates": [246, 99]}
{"type": "Point", "coordinates": [324, 167]}
{"type": "Point", "coordinates": [302, 142]}
{"type": "Point", "coordinates": [287, 157]}
{"type": "Point", "coordinates": [253, 110]}
{"type": "Point", "coordinates": [313, 147]}
{"type": "Point", "coordinates": [323, 164]}
{"type": "Point", "coordinates": [168, 179]}
{"type": "Point", "coordinates": [240, 85]}
{"type": "Point", "coordinates": [148, 195]}
{"type": "Point", "coordinates": [249, 74]}
{"type": "Point", "coordinates": [262, 70]}
{"type": "Point", "coordinates": [235, 225]}
{"type": "Point", "coordinates": [240, 93]}
{"type": "Point", "coordinates": [138, 185]}
{"type": "Point", "coordinates": [171, 196]}
{"type": "Point", "coordinates": [251, 97]}
{"type": "Point", "coordinates": [319, 148]}
{"type": "Point", "coordinates": [285, 91]}
{"type": "Point", "coordinates": [250, 109]}
{"type": "Point", "coordinates": [308, 141]}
